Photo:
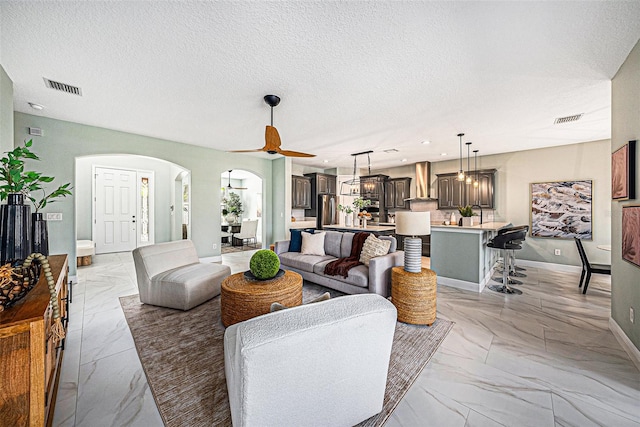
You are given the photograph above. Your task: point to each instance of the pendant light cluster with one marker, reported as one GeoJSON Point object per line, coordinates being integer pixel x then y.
{"type": "Point", "coordinates": [468, 178]}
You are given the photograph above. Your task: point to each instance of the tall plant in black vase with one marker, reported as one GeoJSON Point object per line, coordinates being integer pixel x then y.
{"type": "Point", "coordinates": [39, 229]}
{"type": "Point", "coordinates": [15, 216]}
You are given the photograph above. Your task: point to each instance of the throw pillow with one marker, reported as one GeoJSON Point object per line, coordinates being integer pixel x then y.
{"type": "Point", "coordinates": [276, 306]}
{"type": "Point", "coordinates": [312, 244]}
{"type": "Point", "coordinates": [372, 248]}
{"type": "Point", "coordinates": [296, 241]}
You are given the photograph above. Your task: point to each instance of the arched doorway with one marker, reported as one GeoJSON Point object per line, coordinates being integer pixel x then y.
{"type": "Point", "coordinates": [241, 196]}
{"type": "Point", "coordinates": [140, 189]}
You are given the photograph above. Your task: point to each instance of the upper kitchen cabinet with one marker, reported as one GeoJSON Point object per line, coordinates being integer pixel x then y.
{"type": "Point", "coordinates": [321, 183]}
{"type": "Point", "coordinates": [483, 195]}
{"type": "Point", "coordinates": [300, 192]}
{"type": "Point", "coordinates": [453, 193]}
{"type": "Point", "coordinates": [372, 186]}
{"type": "Point", "coordinates": [396, 190]}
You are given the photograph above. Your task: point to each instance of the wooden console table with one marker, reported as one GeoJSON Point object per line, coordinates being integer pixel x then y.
{"type": "Point", "coordinates": [29, 358]}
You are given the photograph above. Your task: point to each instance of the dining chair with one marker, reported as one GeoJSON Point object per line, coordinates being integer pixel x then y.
{"type": "Point", "coordinates": [247, 232]}
{"type": "Point", "coordinates": [588, 268]}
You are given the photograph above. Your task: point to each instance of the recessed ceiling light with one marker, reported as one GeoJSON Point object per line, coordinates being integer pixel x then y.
{"type": "Point", "coordinates": [443, 154]}
{"type": "Point", "coordinates": [426, 141]}
{"type": "Point", "coordinates": [404, 160]}
{"type": "Point", "coordinates": [36, 106]}
{"type": "Point", "coordinates": [326, 161]}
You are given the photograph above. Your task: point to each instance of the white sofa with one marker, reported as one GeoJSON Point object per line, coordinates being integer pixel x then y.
{"type": "Point", "coordinates": [321, 364]}
{"type": "Point", "coordinates": [171, 275]}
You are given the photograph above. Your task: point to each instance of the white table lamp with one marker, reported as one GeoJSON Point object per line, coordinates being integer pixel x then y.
{"type": "Point", "coordinates": [413, 224]}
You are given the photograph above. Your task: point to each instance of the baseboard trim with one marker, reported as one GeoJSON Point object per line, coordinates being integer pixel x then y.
{"type": "Point", "coordinates": [460, 284]}
{"type": "Point", "coordinates": [217, 258]}
{"type": "Point", "coordinates": [564, 268]}
{"type": "Point", "coordinates": [625, 342]}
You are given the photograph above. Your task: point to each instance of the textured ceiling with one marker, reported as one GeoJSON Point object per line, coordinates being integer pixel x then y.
{"type": "Point", "coordinates": [352, 76]}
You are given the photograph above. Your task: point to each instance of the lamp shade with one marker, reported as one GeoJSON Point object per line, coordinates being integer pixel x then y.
{"type": "Point", "coordinates": [413, 223]}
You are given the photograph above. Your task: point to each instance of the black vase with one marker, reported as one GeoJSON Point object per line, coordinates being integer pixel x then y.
{"type": "Point", "coordinates": [15, 229]}
{"type": "Point", "coordinates": [39, 234]}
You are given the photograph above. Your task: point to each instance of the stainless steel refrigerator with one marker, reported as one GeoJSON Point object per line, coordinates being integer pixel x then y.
{"type": "Point", "coordinates": [327, 210]}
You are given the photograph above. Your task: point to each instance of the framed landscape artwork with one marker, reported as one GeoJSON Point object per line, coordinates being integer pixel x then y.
{"type": "Point", "coordinates": [561, 209]}
{"type": "Point", "coordinates": [623, 171]}
{"type": "Point", "coordinates": [631, 234]}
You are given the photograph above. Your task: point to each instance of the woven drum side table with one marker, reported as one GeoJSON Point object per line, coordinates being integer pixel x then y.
{"type": "Point", "coordinates": [242, 298]}
{"type": "Point", "coordinates": [414, 295]}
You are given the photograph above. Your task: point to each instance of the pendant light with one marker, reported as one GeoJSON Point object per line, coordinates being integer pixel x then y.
{"type": "Point", "coordinates": [476, 183]}
{"type": "Point", "coordinates": [468, 180]}
{"type": "Point", "coordinates": [352, 186]}
{"type": "Point", "coordinates": [461, 172]}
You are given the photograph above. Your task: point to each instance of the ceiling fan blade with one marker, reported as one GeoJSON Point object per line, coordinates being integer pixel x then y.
{"type": "Point", "coordinates": [247, 151]}
{"type": "Point", "coordinates": [290, 153]}
{"type": "Point", "coordinates": [272, 140]}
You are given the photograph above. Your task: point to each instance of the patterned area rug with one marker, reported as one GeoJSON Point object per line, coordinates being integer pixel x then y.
{"type": "Point", "coordinates": [183, 357]}
{"type": "Point", "coordinates": [228, 249]}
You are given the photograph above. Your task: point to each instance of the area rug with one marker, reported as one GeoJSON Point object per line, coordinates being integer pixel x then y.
{"type": "Point", "coordinates": [183, 357]}
{"type": "Point", "coordinates": [228, 249]}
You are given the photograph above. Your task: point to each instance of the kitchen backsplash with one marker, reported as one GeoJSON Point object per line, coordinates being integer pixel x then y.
{"type": "Point", "coordinates": [445, 214]}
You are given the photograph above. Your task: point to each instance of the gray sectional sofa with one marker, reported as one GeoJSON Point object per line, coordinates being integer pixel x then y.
{"type": "Point", "coordinates": [376, 278]}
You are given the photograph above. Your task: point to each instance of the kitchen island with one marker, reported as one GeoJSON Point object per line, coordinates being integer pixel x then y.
{"type": "Point", "coordinates": [460, 256]}
{"type": "Point", "coordinates": [380, 230]}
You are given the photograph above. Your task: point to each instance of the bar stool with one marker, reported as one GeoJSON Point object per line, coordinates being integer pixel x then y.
{"type": "Point", "coordinates": [514, 269]}
{"type": "Point", "coordinates": [503, 242]}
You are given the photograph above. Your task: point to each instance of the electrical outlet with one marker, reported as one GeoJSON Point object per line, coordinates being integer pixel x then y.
{"type": "Point", "coordinates": [631, 315]}
{"type": "Point", "coordinates": [215, 246]}
{"type": "Point", "coordinates": [53, 216]}
{"type": "Point", "coordinates": [557, 252]}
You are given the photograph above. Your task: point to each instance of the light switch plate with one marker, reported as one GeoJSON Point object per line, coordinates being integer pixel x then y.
{"type": "Point", "coordinates": [54, 216]}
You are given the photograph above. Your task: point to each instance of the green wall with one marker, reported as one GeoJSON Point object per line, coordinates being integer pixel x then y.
{"type": "Point", "coordinates": [6, 112]}
{"type": "Point", "coordinates": [64, 141]}
{"type": "Point", "coordinates": [625, 126]}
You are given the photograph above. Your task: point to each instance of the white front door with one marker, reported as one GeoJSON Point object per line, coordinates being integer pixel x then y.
{"type": "Point", "coordinates": [115, 210]}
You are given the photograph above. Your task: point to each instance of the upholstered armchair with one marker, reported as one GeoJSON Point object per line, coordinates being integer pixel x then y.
{"type": "Point", "coordinates": [321, 364]}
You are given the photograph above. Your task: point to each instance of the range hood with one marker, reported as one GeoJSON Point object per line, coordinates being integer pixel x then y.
{"type": "Point", "coordinates": [423, 179]}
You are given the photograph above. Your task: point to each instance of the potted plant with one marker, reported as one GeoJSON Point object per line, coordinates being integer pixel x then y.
{"type": "Point", "coordinates": [233, 206]}
{"type": "Point", "coordinates": [39, 231]}
{"type": "Point", "coordinates": [360, 203]}
{"type": "Point", "coordinates": [348, 214]}
{"type": "Point", "coordinates": [15, 230]}
{"type": "Point", "coordinates": [467, 215]}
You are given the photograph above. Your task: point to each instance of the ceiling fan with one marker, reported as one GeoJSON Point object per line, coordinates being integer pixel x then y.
{"type": "Point", "coordinates": [229, 187]}
{"type": "Point", "coordinates": [271, 136]}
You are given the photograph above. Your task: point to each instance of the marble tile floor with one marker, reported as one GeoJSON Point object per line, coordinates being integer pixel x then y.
{"type": "Point", "coordinates": [544, 358]}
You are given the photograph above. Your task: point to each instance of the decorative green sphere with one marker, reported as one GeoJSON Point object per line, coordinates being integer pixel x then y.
{"type": "Point", "coordinates": [264, 264]}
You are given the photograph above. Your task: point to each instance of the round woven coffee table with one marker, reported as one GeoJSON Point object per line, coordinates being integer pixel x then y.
{"type": "Point", "coordinates": [414, 295]}
{"type": "Point", "coordinates": [242, 298]}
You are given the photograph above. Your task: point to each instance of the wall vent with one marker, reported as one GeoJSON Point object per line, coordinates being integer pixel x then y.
{"type": "Point", "coordinates": [35, 131]}
{"type": "Point", "coordinates": [567, 119]}
{"type": "Point", "coordinates": [63, 87]}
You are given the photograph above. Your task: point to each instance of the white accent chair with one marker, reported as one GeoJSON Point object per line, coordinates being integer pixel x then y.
{"type": "Point", "coordinates": [171, 275]}
{"type": "Point", "coordinates": [321, 364]}
{"type": "Point", "coordinates": [248, 231]}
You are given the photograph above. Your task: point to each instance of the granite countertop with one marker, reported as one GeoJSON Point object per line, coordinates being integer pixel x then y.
{"type": "Point", "coordinates": [491, 226]}
{"type": "Point", "coordinates": [368, 228]}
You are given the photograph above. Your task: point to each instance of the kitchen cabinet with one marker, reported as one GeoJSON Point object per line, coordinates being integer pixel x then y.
{"type": "Point", "coordinates": [483, 194]}
{"type": "Point", "coordinates": [453, 193]}
{"type": "Point", "coordinates": [320, 184]}
{"type": "Point", "coordinates": [300, 192]}
{"type": "Point", "coordinates": [396, 190]}
{"type": "Point", "coordinates": [426, 243]}
{"type": "Point", "coordinates": [372, 186]}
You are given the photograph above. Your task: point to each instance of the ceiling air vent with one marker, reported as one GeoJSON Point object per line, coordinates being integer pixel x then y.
{"type": "Point", "coordinates": [63, 87]}
{"type": "Point", "coordinates": [390, 150]}
{"type": "Point", "coordinates": [567, 119]}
